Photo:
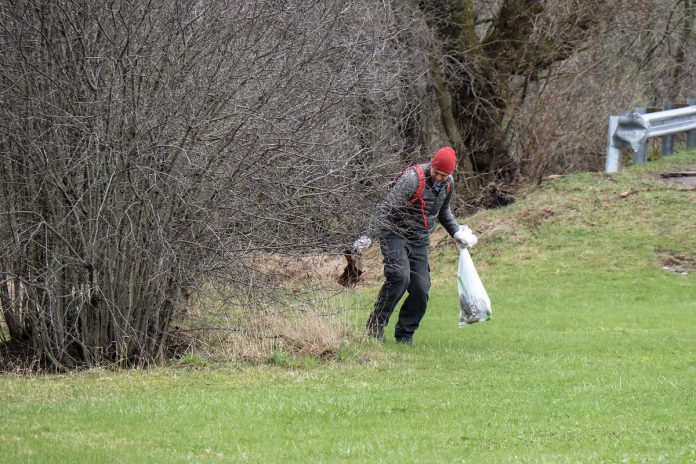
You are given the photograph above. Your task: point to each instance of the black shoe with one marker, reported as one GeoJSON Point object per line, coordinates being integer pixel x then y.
{"type": "Point", "coordinates": [404, 340]}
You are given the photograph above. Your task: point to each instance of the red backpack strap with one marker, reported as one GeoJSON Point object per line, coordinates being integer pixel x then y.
{"type": "Point", "coordinates": [418, 195]}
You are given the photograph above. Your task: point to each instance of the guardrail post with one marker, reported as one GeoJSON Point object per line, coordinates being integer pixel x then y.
{"type": "Point", "coordinates": [691, 135]}
{"type": "Point", "coordinates": [613, 153]}
{"type": "Point", "coordinates": [641, 156]}
{"type": "Point", "coordinates": [667, 140]}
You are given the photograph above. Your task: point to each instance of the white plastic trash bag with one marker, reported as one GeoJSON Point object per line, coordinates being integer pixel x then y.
{"type": "Point", "coordinates": [475, 306]}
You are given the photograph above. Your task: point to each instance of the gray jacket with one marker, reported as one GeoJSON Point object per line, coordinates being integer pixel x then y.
{"type": "Point", "coordinates": [398, 214]}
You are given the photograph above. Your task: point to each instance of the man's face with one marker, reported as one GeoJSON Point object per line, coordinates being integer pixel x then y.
{"type": "Point", "coordinates": [438, 176]}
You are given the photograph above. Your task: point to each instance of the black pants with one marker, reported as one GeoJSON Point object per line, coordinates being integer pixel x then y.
{"type": "Point", "coordinates": [405, 269]}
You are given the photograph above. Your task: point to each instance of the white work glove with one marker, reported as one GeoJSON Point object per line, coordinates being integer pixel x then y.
{"type": "Point", "coordinates": [362, 244]}
{"type": "Point", "coordinates": [465, 237]}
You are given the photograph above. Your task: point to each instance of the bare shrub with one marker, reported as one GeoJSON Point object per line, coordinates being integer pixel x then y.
{"type": "Point", "coordinates": [523, 89]}
{"type": "Point", "coordinates": [147, 148]}
{"type": "Point", "coordinates": [630, 54]}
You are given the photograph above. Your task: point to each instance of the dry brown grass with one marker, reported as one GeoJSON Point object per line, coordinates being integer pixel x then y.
{"type": "Point", "coordinates": [297, 317]}
{"type": "Point", "coordinates": [256, 336]}
{"type": "Point", "coordinates": [314, 270]}
{"type": "Point", "coordinates": [320, 268]}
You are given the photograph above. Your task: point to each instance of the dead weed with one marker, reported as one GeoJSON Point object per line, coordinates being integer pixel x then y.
{"type": "Point", "coordinates": [261, 334]}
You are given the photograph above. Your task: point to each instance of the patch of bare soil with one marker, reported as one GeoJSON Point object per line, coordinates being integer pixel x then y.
{"type": "Point", "coordinates": [682, 180]}
{"type": "Point", "coordinates": [678, 263]}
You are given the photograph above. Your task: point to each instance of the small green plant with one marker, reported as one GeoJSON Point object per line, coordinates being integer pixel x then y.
{"type": "Point", "coordinates": [280, 358]}
{"type": "Point", "coordinates": [192, 360]}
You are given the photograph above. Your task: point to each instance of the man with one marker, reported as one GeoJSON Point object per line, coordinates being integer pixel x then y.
{"type": "Point", "coordinates": [404, 221]}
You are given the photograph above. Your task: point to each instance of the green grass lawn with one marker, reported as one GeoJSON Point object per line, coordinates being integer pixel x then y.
{"type": "Point", "coordinates": [590, 357]}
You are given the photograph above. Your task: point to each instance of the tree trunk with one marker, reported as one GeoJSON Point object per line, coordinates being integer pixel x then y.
{"type": "Point", "coordinates": [470, 92]}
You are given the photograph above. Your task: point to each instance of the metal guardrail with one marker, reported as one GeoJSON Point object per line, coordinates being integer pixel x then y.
{"type": "Point", "coordinates": [632, 130]}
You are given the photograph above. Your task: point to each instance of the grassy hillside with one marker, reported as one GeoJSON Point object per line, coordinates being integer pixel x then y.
{"type": "Point", "coordinates": [590, 357]}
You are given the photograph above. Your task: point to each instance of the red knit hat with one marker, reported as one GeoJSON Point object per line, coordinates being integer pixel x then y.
{"type": "Point", "coordinates": [444, 160]}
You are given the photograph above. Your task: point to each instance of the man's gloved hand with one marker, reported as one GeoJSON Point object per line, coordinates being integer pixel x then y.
{"type": "Point", "coordinates": [362, 244]}
{"type": "Point", "coordinates": [465, 237]}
